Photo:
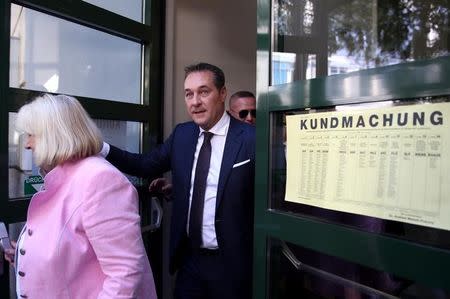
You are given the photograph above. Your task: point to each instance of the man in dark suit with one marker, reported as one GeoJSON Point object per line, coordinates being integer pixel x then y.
{"type": "Point", "coordinates": [211, 237]}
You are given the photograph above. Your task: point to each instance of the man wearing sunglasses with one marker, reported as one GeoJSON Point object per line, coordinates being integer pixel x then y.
{"type": "Point", "coordinates": [243, 106]}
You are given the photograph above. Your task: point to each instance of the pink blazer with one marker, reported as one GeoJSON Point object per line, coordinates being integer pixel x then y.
{"type": "Point", "coordinates": [82, 237]}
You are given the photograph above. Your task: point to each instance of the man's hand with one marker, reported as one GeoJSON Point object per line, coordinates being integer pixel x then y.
{"type": "Point", "coordinates": [161, 185]}
{"type": "Point", "coordinates": [10, 254]}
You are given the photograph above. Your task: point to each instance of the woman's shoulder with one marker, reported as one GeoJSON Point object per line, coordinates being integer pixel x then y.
{"type": "Point", "coordinates": [97, 161]}
{"type": "Point", "coordinates": [95, 166]}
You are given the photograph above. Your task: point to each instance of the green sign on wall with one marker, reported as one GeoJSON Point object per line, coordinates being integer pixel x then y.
{"type": "Point", "coordinates": [32, 184]}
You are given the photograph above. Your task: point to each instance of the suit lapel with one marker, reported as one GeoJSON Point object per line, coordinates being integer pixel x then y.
{"type": "Point", "coordinates": [185, 158]}
{"type": "Point", "coordinates": [189, 152]}
{"type": "Point", "coordinates": [232, 145]}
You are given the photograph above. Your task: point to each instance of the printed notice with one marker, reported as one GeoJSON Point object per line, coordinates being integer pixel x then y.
{"type": "Point", "coordinates": [391, 163]}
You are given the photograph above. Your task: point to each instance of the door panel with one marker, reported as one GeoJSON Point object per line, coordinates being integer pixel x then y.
{"type": "Point", "coordinates": [111, 46]}
{"type": "Point", "coordinates": [319, 57]}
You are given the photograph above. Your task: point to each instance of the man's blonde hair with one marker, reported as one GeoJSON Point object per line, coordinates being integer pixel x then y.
{"type": "Point", "coordinates": [62, 129]}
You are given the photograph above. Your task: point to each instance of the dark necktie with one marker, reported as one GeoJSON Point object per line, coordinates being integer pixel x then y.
{"type": "Point", "coordinates": [198, 193]}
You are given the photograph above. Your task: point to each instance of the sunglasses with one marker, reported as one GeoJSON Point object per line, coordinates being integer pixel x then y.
{"type": "Point", "coordinates": [244, 113]}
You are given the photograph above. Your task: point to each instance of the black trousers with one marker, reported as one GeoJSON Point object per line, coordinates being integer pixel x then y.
{"type": "Point", "coordinates": [203, 276]}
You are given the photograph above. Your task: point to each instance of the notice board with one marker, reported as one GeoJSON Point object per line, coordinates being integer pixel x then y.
{"type": "Point", "coordinates": [390, 162]}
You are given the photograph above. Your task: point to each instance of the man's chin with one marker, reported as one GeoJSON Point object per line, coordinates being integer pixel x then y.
{"type": "Point", "coordinates": [199, 121]}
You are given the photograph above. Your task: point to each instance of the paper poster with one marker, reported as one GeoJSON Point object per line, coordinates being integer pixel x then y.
{"type": "Point", "coordinates": [391, 163]}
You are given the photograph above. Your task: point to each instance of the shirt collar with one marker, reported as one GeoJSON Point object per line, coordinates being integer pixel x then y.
{"type": "Point", "coordinates": [221, 127]}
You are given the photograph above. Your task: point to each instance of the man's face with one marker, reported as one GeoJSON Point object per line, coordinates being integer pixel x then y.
{"type": "Point", "coordinates": [244, 109]}
{"type": "Point", "coordinates": [204, 102]}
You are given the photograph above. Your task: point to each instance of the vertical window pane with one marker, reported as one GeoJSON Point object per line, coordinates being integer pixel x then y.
{"type": "Point", "coordinates": [352, 35]}
{"type": "Point", "coordinates": [50, 54]}
{"type": "Point", "coordinates": [123, 134]}
{"type": "Point", "coordinates": [131, 9]}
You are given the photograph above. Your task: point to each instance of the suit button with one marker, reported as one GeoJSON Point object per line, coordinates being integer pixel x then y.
{"type": "Point", "coordinates": [22, 251]}
{"type": "Point", "coordinates": [22, 274]}
{"type": "Point", "coordinates": [30, 232]}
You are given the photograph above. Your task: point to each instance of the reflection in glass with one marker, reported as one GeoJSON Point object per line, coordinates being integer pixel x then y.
{"type": "Point", "coordinates": [310, 274]}
{"type": "Point", "coordinates": [416, 233]}
{"type": "Point", "coordinates": [54, 55]}
{"type": "Point", "coordinates": [123, 134]}
{"type": "Point", "coordinates": [130, 9]}
{"type": "Point", "coordinates": [352, 35]}
{"type": "Point", "coordinates": [24, 178]}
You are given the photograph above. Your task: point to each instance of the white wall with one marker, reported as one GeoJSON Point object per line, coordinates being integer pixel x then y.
{"type": "Point", "coordinates": [215, 31]}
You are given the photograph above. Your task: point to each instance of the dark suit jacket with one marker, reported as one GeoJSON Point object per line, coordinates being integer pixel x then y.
{"type": "Point", "coordinates": [235, 194]}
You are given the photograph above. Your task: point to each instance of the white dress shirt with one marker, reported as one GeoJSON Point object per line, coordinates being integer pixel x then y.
{"type": "Point", "coordinates": [105, 150]}
{"type": "Point", "coordinates": [220, 131]}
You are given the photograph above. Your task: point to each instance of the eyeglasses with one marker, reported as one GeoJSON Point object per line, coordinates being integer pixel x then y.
{"type": "Point", "coordinates": [244, 113]}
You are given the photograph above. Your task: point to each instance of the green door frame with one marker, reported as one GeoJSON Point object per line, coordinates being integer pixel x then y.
{"type": "Point", "coordinates": [425, 264]}
{"type": "Point", "coordinates": [149, 113]}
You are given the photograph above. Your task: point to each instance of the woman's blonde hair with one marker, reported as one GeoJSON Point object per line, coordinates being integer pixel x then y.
{"type": "Point", "coordinates": [62, 130]}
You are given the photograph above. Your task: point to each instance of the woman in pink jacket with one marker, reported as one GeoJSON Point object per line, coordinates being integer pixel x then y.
{"type": "Point", "coordinates": [82, 238]}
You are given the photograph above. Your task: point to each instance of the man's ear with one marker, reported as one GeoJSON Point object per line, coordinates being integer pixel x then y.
{"type": "Point", "coordinates": [223, 94]}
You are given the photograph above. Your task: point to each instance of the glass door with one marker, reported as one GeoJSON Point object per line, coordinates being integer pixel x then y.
{"type": "Point", "coordinates": [105, 53]}
{"type": "Point", "coordinates": [352, 157]}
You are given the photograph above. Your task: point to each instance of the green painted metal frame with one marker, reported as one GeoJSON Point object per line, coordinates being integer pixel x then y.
{"type": "Point", "coordinates": [4, 85]}
{"type": "Point", "coordinates": [149, 34]}
{"type": "Point", "coordinates": [153, 55]}
{"type": "Point", "coordinates": [401, 81]}
{"type": "Point", "coordinates": [152, 92]}
{"type": "Point", "coordinates": [5, 12]}
{"type": "Point", "coordinates": [116, 110]}
{"type": "Point", "coordinates": [424, 264]}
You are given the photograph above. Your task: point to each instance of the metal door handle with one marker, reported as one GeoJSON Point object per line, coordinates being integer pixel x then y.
{"type": "Point", "coordinates": [156, 213]}
{"type": "Point", "coordinates": [286, 251]}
